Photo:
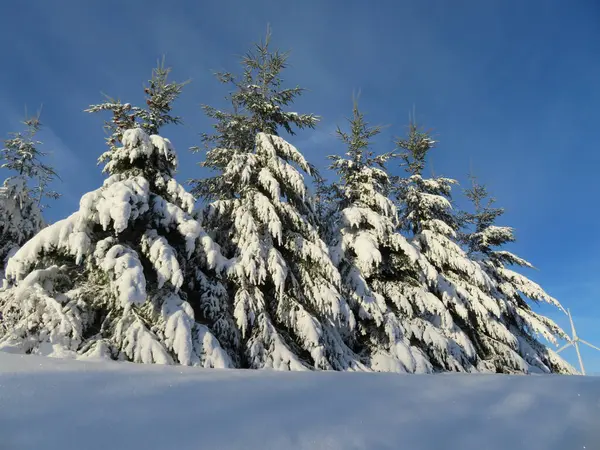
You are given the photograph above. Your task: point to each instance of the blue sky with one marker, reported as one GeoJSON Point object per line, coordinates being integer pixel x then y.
{"type": "Point", "coordinates": [508, 87]}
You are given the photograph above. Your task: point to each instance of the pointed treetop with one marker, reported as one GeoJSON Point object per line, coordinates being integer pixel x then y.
{"type": "Point", "coordinates": [160, 94]}
{"type": "Point", "coordinates": [485, 237]}
{"type": "Point", "coordinates": [359, 137]}
{"type": "Point", "coordinates": [258, 100]}
{"type": "Point", "coordinates": [414, 149]}
{"type": "Point", "coordinates": [257, 106]}
{"type": "Point", "coordinates": [260, 91]}
{"type": "Point", "coordinates": [426, 202]}
{"type": "Point", "coordinates": [485, 214]}
{"type": "Point", "coordinates": [363, 170]}
{"type": "Point", "coordinates": [21, 154]}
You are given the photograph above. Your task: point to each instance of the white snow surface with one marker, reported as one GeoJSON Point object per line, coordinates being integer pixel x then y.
{"type": "Point", "coordinates": [58, 404]}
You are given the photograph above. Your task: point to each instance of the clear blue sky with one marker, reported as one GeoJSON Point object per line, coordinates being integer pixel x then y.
{"type": "Point", "coordinates": [511, 87]}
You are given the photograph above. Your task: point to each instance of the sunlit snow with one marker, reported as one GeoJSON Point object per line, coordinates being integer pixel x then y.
{"type": "Point", "coordinates": [56, 404]}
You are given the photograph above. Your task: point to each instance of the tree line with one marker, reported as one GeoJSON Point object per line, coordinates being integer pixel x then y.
{"type": "Point", "coordinates": [368, 272]}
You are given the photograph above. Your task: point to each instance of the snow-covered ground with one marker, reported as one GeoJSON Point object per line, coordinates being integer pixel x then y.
{"type": "Point", "coordinates": [62, 404]}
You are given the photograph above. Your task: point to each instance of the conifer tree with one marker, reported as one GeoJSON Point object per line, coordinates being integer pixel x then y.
{"type": "Point", "coordinates": [122, 277]}
{"type": "Point", "coordinates": [467, 291]}
{"type": "Point", "coordinates": [23, 192]}
{"type": "Point", "coordinates": [283, 284]}
{"type": "Point", "coordinates": [160, 95]}
{"type": "Point", "coordinates": [483, 239]}
{"type": "Point", "coordinates": [397, 317]}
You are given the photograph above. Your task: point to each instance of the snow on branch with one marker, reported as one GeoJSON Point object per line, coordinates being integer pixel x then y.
{"type": "Point", "coordinates": [163, 258]}
{"type": "Point", "coordinates": [138, 343]}
{"type": "Point", "coordinates": [176, 193]}
{"type": "Point", "coordinates": [69, 235]}
{"type": "Point", "coordinates": [118, 202]}
{"type": "Point", "coordinates": [127, 271]}
{"type": "Point", "coordinates": [47, 323]}
{"type": "Point", "coordinates": [529, 288]}
{"type": "Point", "coordinates": [277, 146]}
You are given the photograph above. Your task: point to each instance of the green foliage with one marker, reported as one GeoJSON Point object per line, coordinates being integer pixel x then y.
{"type": "Point", "coordinates": [362, 167]}
{"type": "Point", "coordinates": [160, 95]}
{"type": "Point", "coordinates": [257, 105]}
{"type": "Point", "coordinates": [21, 154]}
{"type": "Point", "coordinates": [481, 220]}
{"type": "Point", "coordinates": [414, 148]}
{"type": "Point", "coordinates": [424, 203]}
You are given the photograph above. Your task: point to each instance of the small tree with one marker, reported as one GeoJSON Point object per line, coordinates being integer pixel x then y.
{"type": "Point", "coordinates": [282, 281]}
{"type": "Point", "coordinates": [483, 239]}
{"type": "Point", "coordinates": [23, 192]}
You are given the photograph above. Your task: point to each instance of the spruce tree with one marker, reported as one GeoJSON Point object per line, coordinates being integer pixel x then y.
{"type": "Point", "coordinates": [283, 284]}
{"type": "Point", "coordinates": [122, 277]}
{"type": "Point", "coordinates": [398, 319]}
{"type": "Point", "coordinates": [467, 291]}
{"type": "Point", "coordinates": [23, 192]}
{"type": "Point", "coordinates": [483, 240]}
{"type": "Point", "coordinates": [160, 95]}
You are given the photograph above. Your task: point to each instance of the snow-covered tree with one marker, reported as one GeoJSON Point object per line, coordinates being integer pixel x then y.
{"type": "Point", "coordinates": [483, 240]}
{"type": "Point", "coordinates": [468, 292]}
{"type": "Point", "coordinates": [160, 95]}
{"type": "Point", "coordinates": [399, 321]}
{"type": "Point", "coordinates": [283, 284]}
{"type": "Point", "coordinates": [23, 192]}
{"type": "Point", "coordinates": [127, 275]}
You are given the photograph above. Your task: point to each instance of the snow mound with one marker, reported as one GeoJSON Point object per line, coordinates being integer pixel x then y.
{"type": "Point", "coordinates": [57, 404]}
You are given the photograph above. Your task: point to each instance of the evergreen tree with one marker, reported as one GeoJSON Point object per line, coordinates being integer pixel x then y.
{"type": "Point", "coordinates": [121, 277]}
{"type": "Point", "coordinates": [160, 95]}
{"type": "Point", "coordinates": [23, 192]}
{"type": "Point", "coordinates": [283, 284]}
{"type": "Point", "coordinates": [467, 291]}
{"type": "Point", "coordinates": [397, 317]}
{"type": "Point", "coordinates": [483, 240]}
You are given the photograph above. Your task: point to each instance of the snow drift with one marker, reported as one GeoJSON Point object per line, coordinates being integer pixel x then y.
{"type": "Point", "coordinates": [58, 404]}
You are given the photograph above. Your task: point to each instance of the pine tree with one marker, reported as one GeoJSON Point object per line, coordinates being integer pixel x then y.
{"type": "Point", "coordinates": [23, 193]}
{"type": "Point", "coordinates": [283, 284]}
{"type": "Point", "coordinates": [468, 293]}
{"type": "Point", "coordinates": [482, 239]}
{"type": "Point", "coordinates": [121, 278]}
{"type": "Point", "coordinates": [160, 95]}
{"type": "Point", "coordinates": [396, 315]}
